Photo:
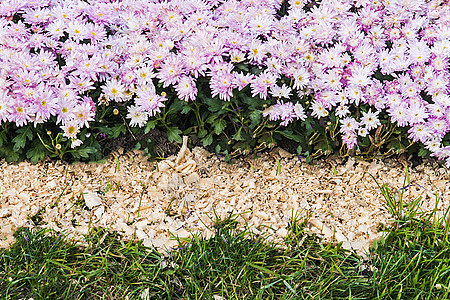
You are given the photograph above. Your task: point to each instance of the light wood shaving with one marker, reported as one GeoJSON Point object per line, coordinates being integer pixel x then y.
{"type": "Point", "coordinates": [180, 196]}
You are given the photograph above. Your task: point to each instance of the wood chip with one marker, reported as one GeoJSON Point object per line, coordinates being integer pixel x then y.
{"type": "Point", "coordinates": [181, 194]}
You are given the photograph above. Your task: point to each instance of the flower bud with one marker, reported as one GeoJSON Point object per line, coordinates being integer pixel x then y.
{"type": "Point", "coordinates": [164, 94]}
{"type": "Point", "coordinates": [115, 111]}
{"type": "Point", "coordinates": [58, 146]}
{"type": "Point", "coordinates": [49, 132]}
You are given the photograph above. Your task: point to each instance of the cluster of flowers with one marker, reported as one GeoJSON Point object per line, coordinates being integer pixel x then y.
{"type": "Point", "coordinates": [332, 50]}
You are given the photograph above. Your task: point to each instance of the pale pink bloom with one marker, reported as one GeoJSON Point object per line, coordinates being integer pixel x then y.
{"type": "Point", "coordinates": [350, 140]}
{"type": "Point", "coordinates": [260, 84]}
{"type": "Point", "coordinates": [342, 111]}
{"type": "Point", "coordinates": [186, 88]}
{"type": "Point", "coordinates": [370, 119]}
{"type": "Point", "coordinates": [114, 90]}
{"type": "Point", "coordinates": [399, 114]}
{"type": "Point", "coordinates": [5, 107]}
{"type": "Point", "coordinates": [65, 110]}
{"type": "Point", "coordinates": [419, 132]}
{"type": "Point", "coordinates": [21, 113]}
{"type": "Point", "coordinates": [222, 84]}
{"type": "Point", "coordinates": [83, 114]}
{"type": "Point", "coordinates": [149, 101]}
{"type": "Point", "coordinates": [241, 80]}
{"type": "Point", "coordinates": [417, 113]}
{"type": "Point", "coordinates": [71, 129]}
{"type": "Point", "coordinates": [170, 70]}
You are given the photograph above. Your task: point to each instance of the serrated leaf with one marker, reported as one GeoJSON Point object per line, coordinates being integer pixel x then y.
{"type": "Point", "coordinates": [206, 141]}
{"type": "Point", "coordinates": [84, 152]}
{"type": "Point", "coordinates": [290, 135]}
{"type": "Point", "coordinates": [238, 135]}
{"type": "Point", "coordinates": [219, 126]}
{"type": "Point", "coordinates": [213, 104]}
{"type": "Point", "coordinates": [36, 152]}
{"type": "Point", "coordinates": [9, 154]}
{"type": "Point", "coordinates": [117, 130]}
{"type": "Point", "coordinates": [19, 142]}
{"type": "Point", "coordinates": [173, 134]}
{"type": "Point", "coordinates": [175, 107]}
{"type": "Point", "coordinates": [150, 125]}
{"type": "Point", "coordinates": [211, 119]}
{"type": "Point", "coordinates": [255, 116]}
{"type": "Point", "coordinates": [309, 128]}
{"type": "Point", "coordinates": [423, 152]}
{"type": "Point", "coordinates": [21, 139]}
{"type": "Point", "coordinates": [186, 109]}
{"type": "Point", "coordinates": [202, 133]}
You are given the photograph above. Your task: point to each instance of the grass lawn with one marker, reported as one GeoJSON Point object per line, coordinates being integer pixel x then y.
{"type": "Point", "coordinates": [412, 261]}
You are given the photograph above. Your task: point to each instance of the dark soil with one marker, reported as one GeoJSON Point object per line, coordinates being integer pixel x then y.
{"type": "Point", "coordinates": [162, 147]}
{"type": "Point", "coordinates": [158, 139]}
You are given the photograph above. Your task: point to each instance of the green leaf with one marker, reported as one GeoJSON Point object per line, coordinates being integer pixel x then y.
{"type": "Point", "coordinates": [36, 152]}
{"type": "Point", "coordinates": [214, 104]}
{"type": "Point", "coordinates": [207, 140]}
{"type": "Point", "coordinates": [9, 153]}
{"type": "Point", "coordinates": [219, 126]}
{"type": "Point", "coordinates": [423, 152]}
{"type": "Point", "coordinates": [186, 109]}
{"type": "Point", "coordinates": [117, 130]}
{"type": "Point", "coordinates": [2, 138]}
{"type": "Point", "coordinates": [173, 133]}
{"type": "Point", "coordinates": [150, 125]}
{"type": "Point", "coordinates": [309, 128]}
{"type": "Point", "coordinates": [84, 152]}
{"type": "Point", "coordinates": [290, 135]}
{"type": "Point", "coordinates": [21, 139]}
{"type": "Point", "coordinates": [202, 133]}
{"type": "Point", "coordinates": [175, 107]}
{"type": "Point", "coordinates": [255, 116]}
{"type": "Point", "coordinates": [211, 119]}
{"type": "Point", "coordinates": [242, 67]}
{"type": "Point", "coordinates": [238, 135]}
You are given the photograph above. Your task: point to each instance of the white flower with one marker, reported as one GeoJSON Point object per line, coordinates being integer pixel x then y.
{"type": "Point", "coordinates": [138, 117]}
{"type": "Point", "coordinates": [433, 145]}
{"type": "Point", "coordinates": [76, 143]}
{"type": "Point", "coordinates": [370, 119]}
{"type": "Point", "coordinates": [318, 110]}
{"type": "Point", "coordinates": [301, 77]}
{"type": "Point", "coordinates": [299, 111]}
{"type": "Point", "coordinates": [114, 90]}
{"type": "Point", "coordinates": [281, 91]}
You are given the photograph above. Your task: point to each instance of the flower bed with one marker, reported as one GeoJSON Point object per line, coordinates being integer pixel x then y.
{"type": "Point", "coordinates": [370, 76]}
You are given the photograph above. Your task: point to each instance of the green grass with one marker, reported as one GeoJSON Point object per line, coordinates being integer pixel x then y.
{"type": "Point", "coordinates": [412, 261]}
